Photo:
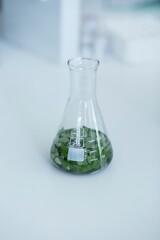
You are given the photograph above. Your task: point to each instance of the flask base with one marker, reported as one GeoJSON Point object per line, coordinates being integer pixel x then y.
{"type": "Point", "coordinates": [80, 173]}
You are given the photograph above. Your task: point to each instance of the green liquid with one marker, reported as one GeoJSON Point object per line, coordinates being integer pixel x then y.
{"type": "Point", "coordinates": [94, 147]}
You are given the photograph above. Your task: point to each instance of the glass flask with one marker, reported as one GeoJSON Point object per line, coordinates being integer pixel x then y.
{"type": "Point", "coordinates": [81, 144]}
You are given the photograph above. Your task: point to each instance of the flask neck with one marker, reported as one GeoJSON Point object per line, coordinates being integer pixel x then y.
{"type": "Point", "coordinates": [82, 84]}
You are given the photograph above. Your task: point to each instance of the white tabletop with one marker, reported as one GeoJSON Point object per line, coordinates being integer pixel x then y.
{"type": "Point", "coordinates": [39, 202]}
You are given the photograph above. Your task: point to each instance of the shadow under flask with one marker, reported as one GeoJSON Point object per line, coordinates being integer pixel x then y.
{"type": "Point", "coordinates": [81, 144]}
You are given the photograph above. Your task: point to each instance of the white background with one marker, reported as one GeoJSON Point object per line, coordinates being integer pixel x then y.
{"type": "Point", "coordinates": [37, 201]}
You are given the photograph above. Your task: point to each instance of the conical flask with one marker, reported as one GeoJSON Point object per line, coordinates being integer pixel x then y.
{"type": "Point", "coordinates": [81, 144]}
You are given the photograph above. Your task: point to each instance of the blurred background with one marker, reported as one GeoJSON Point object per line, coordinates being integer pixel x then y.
{"type": "Point", "coordinates": [121, 30]}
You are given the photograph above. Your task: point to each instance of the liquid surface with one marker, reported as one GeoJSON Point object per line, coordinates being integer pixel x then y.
{"type": "Point", "coordinates": [81, 150]}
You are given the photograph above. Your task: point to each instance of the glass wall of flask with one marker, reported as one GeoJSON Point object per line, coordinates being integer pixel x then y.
{"type": "Point", "coordinates": [81, 144]}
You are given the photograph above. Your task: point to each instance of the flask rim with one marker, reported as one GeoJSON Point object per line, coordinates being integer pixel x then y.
{"type": "Point", "coordinates": [83, 63]}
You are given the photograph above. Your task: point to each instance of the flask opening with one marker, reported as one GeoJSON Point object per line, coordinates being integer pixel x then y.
{"type": "Point", "coordinates": [83, 63]}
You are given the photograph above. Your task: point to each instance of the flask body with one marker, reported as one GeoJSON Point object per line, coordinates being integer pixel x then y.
{"type": "Point", "coordinates": [81, 144]}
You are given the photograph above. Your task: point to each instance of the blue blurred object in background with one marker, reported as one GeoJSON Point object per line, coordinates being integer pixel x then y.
{"type": "Point", "coordinates": [32, 25]}
{"type": "Point", "coordinates": [129, 3]}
